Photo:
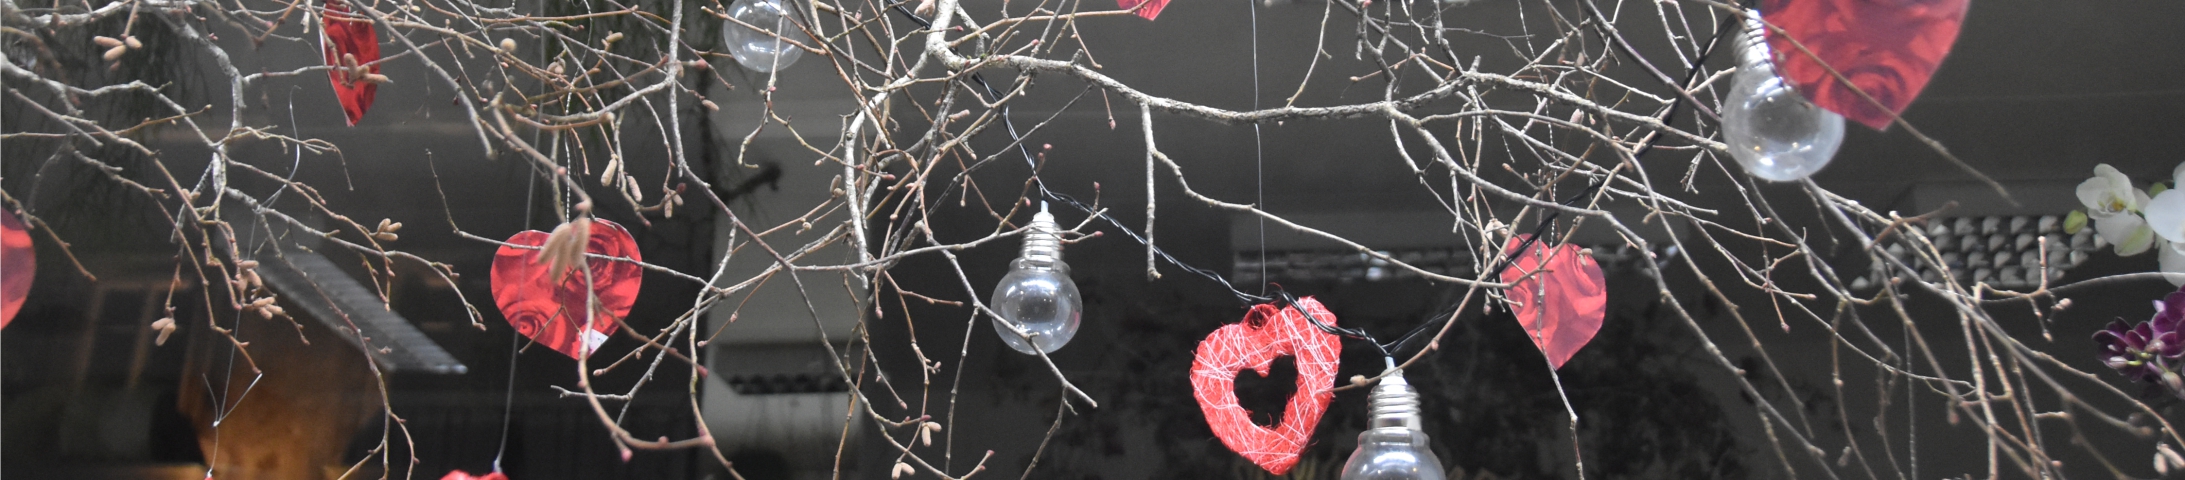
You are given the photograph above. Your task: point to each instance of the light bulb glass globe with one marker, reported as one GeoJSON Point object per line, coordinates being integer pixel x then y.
{"type": "Point", "coordinates": [1037, 295]}
{"type": "Point", "coordinates": [1393, 447]}
{"type": "Point", "coordinates": [1771, 130]}
{"type": "Point", "coordinates": [758, 50]}
{"type": "Point", "coordinates": [1392, 453]}
{"type": "Point", "coordinates": [1042, 301]}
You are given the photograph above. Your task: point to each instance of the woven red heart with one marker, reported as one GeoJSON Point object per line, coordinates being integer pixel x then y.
{"type": "Point", "coordinates": [1266, 334]}
{"type": "Point", "coordinates": [1562, 306]}
{"type": "Point", "coordinates": [1888, 48]}
{"type": "Point", "coordinates": [551, 310]}
{"type": "Point", "coordinates": [462, 475]}
{"type": "Point", "coordinates": [18, 266]}
{"type": "Point", "coordinates": [347, 33]}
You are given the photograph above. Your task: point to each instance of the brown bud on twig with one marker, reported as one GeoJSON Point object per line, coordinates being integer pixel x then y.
{"type": "Point", "coordinates": [105, 41]}
{"type": "Point", "coordinates": [386, 236]}
{"type": "Point", "coordinates": [113, 54]}
{"type": "Point", "coordinates": [165, 326]}
{"type": "Point", "coordinates": [564, 248]}
{"type": "Point", "coordinates": [614, 37]}
{"type": "Point", "coordinates": [132, 42]}
{"type": "Point", "coordinates": [508, 45]}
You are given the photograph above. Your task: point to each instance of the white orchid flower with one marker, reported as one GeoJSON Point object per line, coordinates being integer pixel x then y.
{"type": "Point", "coordinates": [2166, 215]}
{"type": "Point", "coordinates": [2172, 259]}
{"type": "Point", "coordinates": [2115, 205]}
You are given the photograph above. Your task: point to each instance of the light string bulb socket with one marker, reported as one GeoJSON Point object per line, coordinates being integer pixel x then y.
{"type": "Point", "coordinates": [1393, 447]}
{"type": "Point", "coordinates": [1037, 296]}
{"type": "Point", "coordinates": [1770, 129]}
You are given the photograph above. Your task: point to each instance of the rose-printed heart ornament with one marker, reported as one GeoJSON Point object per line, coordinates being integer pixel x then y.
{"type": "Point", "coordinates": [18, 265]}
{"type": "Point", "coordinates": [1558, 294]}
{"type": "Point", "coordinates": [351, 43]}
{"type": "Point", "coordinates": [462, 475]}
{"type": "Point", "coordinates": [1886, 48]}
{"type": "Point", "coordinates": [550, 309]}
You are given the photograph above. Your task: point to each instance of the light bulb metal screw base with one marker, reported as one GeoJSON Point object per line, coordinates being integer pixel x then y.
{"type": "Point", "coordinates": [1393, 447]}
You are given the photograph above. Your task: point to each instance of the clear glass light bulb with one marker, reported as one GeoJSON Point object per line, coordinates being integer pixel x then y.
{"type": "Point", "coordinates": [1037, 296]}
{"type": "Point", "coordinates": [1392, 447]}
{"type": "Point", "coordinates": [758, 50]}
{"type": "Point", "coordinates": [1772, 131]}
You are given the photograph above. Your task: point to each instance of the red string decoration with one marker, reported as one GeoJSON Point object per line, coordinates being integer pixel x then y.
{"type": "Point", "coordinates": [1562, 306]}
{"type": "Point", "coordinates": [1888, 48]}
{"type": "Point", "coordinates": [1265, 334]}
{"type": "Point", "coordinates": [18, 266]}
{"type": "Point", "coordinates": [350, 41]}
{"type": "Point", "coordinates": [551, 311]}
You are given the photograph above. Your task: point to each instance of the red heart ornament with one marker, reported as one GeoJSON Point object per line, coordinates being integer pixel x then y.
{"type": "Point", "coordinates": [1153, 7]}
{"type": "Point", "coordinates": [18, 266]}
{"type": "Point", "coordinates": [347, 33]}
{"type": "Point", "coordinates": [1266, 334]}
{"type": "Point", "coordinates": [1561, 307]}
{"type": "Point", "coordinates": [551, 310]}
{"type": "Point", "coordinates": [462, 475]}
{"type": "Point", "coordinates": [1888, 48]}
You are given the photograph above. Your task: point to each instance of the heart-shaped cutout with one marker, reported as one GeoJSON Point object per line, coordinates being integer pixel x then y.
{"type": "Point", "coordinates": [1562, 306]}
{"type": "Point", "coordinates": [20, 260]}
{"type": "Point", "coordinates": [1263, 396]}
{"type": "Point", "coordinates": [1265, 334]}
{"type": "Point", "coordinates": [551, 310]}
{"type": "Point", "coordinates": [1888, 48]}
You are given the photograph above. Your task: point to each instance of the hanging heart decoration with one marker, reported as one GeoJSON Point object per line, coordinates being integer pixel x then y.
{"type": "Point", "coordinates": [1152, 10]}
{"type": "Point", "coordinates": [548, 305]}
{"type": "Point", "coordinates": [1887, 48]}
{"type": "Point", "coordinates": [1265, 334]}
{"type": "Point", "coordinates": [18, 265]}
{"type": "Point", "coordinates": [462, 475]}
{"type": "Point", "coordinates": [351, 45]}
{"type": "Point", "coordinates": [1562, 305]}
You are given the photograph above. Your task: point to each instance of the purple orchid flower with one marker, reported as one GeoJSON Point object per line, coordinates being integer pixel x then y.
{"type": "Point", "coordinates": [2170, 312]}
{"type": "Point", "coordinates": [2133, 350]}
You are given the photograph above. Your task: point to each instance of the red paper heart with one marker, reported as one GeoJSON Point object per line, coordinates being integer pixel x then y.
{"type": "Point", "coordinates": [20, 262]}
{"type": "Point", "coordinates": [551, 311]}
{"type": "Point", "coordinates": [462, 475]}
{"type": "Point", "coordinates": [1562, 307]}
{"type": "Point", "coordinates": [1888, 48]}
{"type": "Point", "coordinates": [1153, 7]}
{"type": "Point", "coordinates": [352, 34]}
{"type": "Point", "coordinates": [1265, 334]}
